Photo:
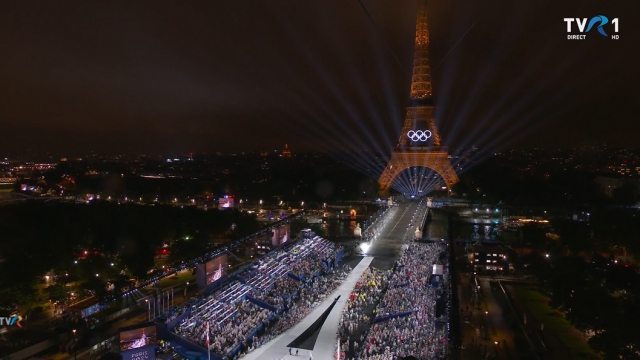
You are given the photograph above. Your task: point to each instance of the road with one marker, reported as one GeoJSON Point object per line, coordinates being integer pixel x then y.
{"type": "Point", "coordinates": [386, 247]}
{"type": "Point", "coordinates": [483, 322]}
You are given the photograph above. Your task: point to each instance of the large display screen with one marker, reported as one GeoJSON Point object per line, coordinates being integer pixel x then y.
{"type": "Point", "coordinates": [211, 271]}
{"type": "Point", "coordinates": [216, 268]}
{"type": "Point", "coordinates": [137, 338]}
{"type": "Point", "coordinates": [279, 236]}
{"type": "Point", "coordinates": [284, 233]}
{"type": "Point", "coordinates": [139, 343]}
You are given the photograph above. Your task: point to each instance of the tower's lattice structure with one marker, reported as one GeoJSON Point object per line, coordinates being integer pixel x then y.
{"type": "Point", "coordinates": [419, 144]}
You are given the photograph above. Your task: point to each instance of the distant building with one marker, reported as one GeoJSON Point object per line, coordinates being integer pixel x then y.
{"type": "Point", "coordinates": [286, 152]}
{"type": "Point", "coordinates": [490, 258]}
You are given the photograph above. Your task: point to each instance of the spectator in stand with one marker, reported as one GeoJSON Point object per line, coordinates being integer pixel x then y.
{"type": "Point", "coordinates": [409, 295]}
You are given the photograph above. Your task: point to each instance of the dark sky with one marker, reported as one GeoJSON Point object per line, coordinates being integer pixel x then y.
{"type": "Point", "coordinates": [180, 76]}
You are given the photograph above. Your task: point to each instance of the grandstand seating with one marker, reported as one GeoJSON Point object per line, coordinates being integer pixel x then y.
{"type": "Point", "coordinates": [257, 279]}
{"type": "Point", "coordinates": [234, 293]}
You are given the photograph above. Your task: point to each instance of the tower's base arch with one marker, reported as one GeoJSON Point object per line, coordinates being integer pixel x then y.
{"type": "Point", "coordinates": [436, 160]}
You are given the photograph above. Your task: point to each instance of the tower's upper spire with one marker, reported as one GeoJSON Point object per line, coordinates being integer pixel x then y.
{"type": "Point", "coordinates": [421, 78]}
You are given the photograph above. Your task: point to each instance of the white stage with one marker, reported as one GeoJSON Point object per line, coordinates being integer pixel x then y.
{"type": "Point", "coordinates": [325, 347]}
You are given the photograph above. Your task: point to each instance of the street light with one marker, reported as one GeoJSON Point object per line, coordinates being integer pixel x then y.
{"type": "Point", "coordinates": [75, 347]}
{"type": "Point", "coordinates": [148, 308]}
{"type": "Point", "coordinates": [486, 325]}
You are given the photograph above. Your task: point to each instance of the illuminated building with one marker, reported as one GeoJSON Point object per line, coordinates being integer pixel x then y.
{"type": "Point", "coordinates": [488, 258]}
{"type": "Point", "coordinates": [419, 144]}
{"type": "Point", "coordinates": [286, 152]}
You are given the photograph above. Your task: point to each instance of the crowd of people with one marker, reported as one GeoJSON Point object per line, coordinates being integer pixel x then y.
{"type": "Point", "coordinates": [225, 335]}
{"type": "Point", "coordinates": [229, 335]}
{"type": "Point", "coordinates": [281, 290]}
{"type": "Point", "coordinates": [365, 295]}
{"type": "Point", "coordinates": [232, 317]}
{"type": "Point", "coordinates": [403, 298]}
{"type": "Point", "coordinates": [408, 292]}
{"type": "Point", "coordinates": [310, 297]}
{"type": "Point", "coordinates": [308, 257]}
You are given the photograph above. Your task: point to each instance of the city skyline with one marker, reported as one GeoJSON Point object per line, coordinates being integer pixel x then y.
{"type": "Point", "coordinates": [205, 78]}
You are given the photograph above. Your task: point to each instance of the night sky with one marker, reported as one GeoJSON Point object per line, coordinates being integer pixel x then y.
{"type": "Point", "coordinates": [205, 76]}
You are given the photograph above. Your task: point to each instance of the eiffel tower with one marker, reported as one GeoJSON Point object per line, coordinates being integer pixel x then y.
{"type": "Point", "coordinates": [420, 143]}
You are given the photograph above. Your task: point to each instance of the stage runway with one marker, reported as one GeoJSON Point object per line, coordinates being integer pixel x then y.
{"type": "Point", "coordinates": [325, 346]}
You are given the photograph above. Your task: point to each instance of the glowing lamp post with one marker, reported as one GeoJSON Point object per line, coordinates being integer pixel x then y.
{"type": "Point", "coordinates": [148, 308]}
{"type": "Point", "coordinates": [486, 325]}
{"type": "Point", "coordinates": [75, 348]}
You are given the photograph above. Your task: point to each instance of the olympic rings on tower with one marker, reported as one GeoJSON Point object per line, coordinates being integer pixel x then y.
{"type": "Point", "coordinates": [419, 135]}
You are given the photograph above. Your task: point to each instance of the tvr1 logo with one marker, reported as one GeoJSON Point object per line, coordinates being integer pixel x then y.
{"type": "Point", "coordinates": [11, 320]}
{"type": "Point", "coordinates": [597, 22]}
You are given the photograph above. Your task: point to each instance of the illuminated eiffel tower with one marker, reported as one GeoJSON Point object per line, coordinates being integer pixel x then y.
{"type": "Point", "coordinates": [419, 144]}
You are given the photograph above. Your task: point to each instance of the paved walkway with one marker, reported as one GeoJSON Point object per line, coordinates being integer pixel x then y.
{"type": "Point", "coordinates": [325, 346]}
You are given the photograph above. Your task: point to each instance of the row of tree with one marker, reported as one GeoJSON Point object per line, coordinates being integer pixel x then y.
{"type": "Point", "coordinates": [310, 178]}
